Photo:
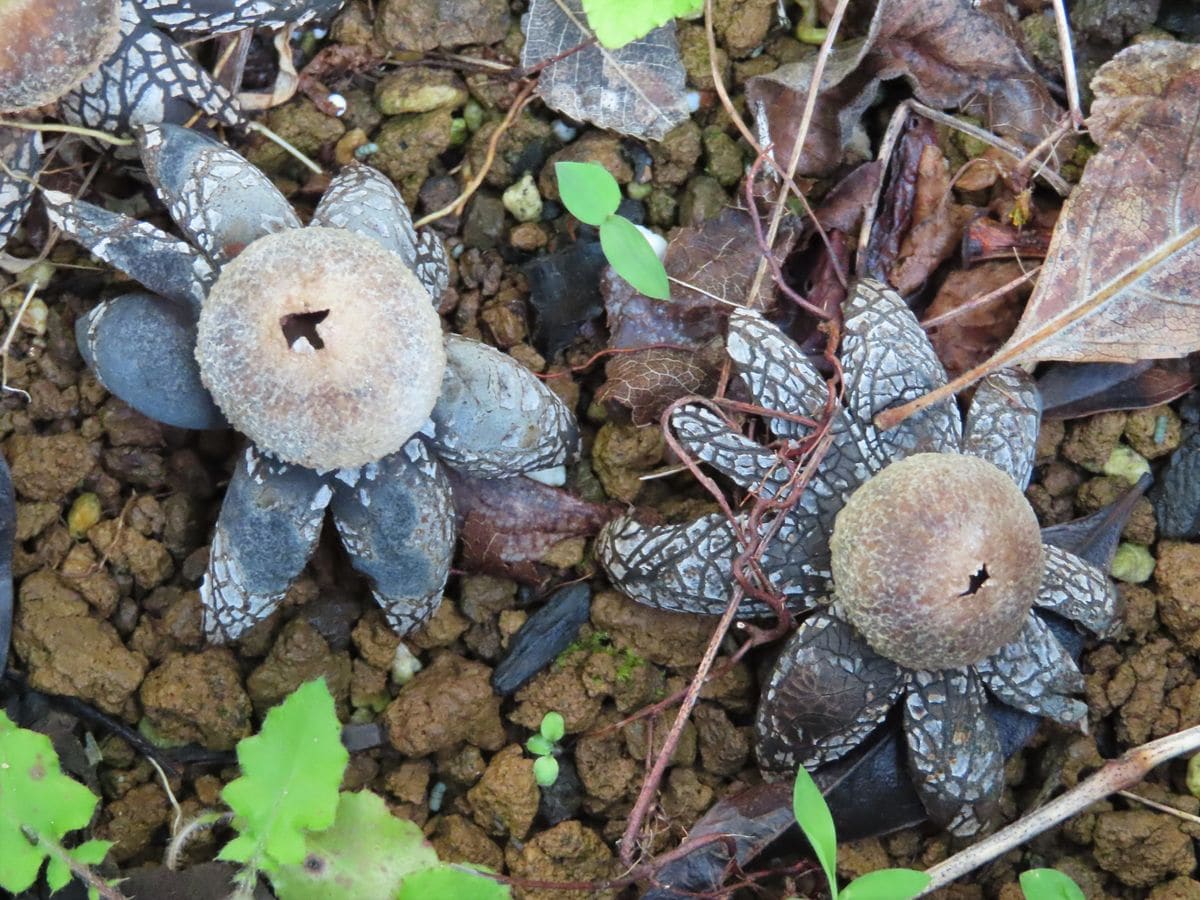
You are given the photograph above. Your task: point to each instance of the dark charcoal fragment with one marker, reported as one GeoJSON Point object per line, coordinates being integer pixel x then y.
{"type": "Point", "coordinates": [564, 293]}
{"type": "Point", "coordinates": [543, 637]}
{"type": "Point", "coordinates": [1176, 497]}
{"type": "Point", "coordinates": [561, 801]}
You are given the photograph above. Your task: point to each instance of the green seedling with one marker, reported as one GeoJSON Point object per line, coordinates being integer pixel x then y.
{"type": "Point", "coordinates": [617, 22]}
{"type": "Point", "coordinates": [311, 840]}
{"type": "Point", "coordinates": [544, 745]}
{"type": "Point", "coordinates": [39, 805]}
{"type": "Point", "coordinates": [813, 816]}
{"type": "Point", "coordinates": [592, 196]}
{"type": "Point", "coordinates": [1049, 884]}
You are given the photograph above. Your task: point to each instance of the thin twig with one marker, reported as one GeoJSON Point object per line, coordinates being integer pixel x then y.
{"type": "Point", "coordinates": [810, 105]}
{"type": "Point", "coordinates": [980, 301]}
{"type": "Point", "coordinates": [1161, 807]}
{"type": "Point", "coordinates": [455, 206]}
{"type": "Point", "coordinates": [61, 128]}
{"type": "Point", "coordinates": [1070, 79]}
{"type": "Point", "coordinates": [1116, 775]}
{"type": "Point", "coordinates": [1017, 350]}
{"type": "Point", "coordinates": [286, 145]}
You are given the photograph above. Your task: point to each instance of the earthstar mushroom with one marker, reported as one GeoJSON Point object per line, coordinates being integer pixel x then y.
{"type": "Point", "coordinates": [324, 345]}
{"type": "Point", "coordinates": [912, 558]}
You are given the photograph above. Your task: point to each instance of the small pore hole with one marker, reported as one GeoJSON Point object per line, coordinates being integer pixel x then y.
{"type": "Point", "coordinates": [300, 330]}
{"type": "Point", "coordinates": [976, 581]}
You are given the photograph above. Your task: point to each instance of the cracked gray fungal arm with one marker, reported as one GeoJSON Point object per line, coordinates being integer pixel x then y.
{"type": "Point", "coordinates": [141, 347]}
{"type": "Point", "coordinates": [495, 418]}
{"type": "Point", "coordinates": [778, 376]}
{"type": "Point", "coordinates": [396, 521]}
{"type": "Point", "coordinates": [954, 753]}
{"type": "Point", "coordinates": [888, 360]}
{"type": "Point", "coordinates": [827, 693]}
{"type": "Point", "coordinates": [1003, 421]}
{"type": "Point", "coordinates": [149, 78]}
{"type": "Point", "coordinates": [268, 527]}
{"type": "Point", "coordinates": [1070, 587]}
{"type": "Point", "coordinates": [153, 258]}
{"type": "Point", "coordinates": [218, 199]}
{"type": "Point", "coordinates": [1036, 674]}
{"type": "Point", "coordinates": [21, 155]}
{"type": "Point", "coordinates": [748, 464]}
{"type": "Point", "coordinates": [223, 16]}
{"type": "Point", "coordinates": [681, 568]}
{"type": "Point", "coordinates": [364, 200]}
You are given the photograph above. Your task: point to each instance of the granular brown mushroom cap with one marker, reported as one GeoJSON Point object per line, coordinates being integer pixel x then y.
{"type": "Point", "coordinates": [937, 560]}
{"type": "Point", "coordinates": [50, 46]}
{"type": "Point", "coordinates": [322, 347]}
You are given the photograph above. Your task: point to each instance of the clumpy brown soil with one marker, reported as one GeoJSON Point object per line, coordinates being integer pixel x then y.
{"type": "Point", "coordinates": [114, 513]}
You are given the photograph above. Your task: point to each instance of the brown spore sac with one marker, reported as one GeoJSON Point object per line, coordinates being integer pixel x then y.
{"type": "Point", "coordinates": [937, 560]}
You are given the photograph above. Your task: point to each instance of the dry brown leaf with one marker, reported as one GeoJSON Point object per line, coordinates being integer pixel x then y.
{"type": "Point", "coordinates": [648, 381]}
{"type": "Point", "coordinates": [954, 53]}
{"type": "Point", "coordinates": [719, 258]}
{"type": "Point", "coordinates": [637, 90]}
{"type": "Point", "coordinates": [970, 338]}
{"type": "Point", "coordinates": [1121, 281]}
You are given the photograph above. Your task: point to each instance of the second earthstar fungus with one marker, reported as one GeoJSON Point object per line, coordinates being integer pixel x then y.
{"type": "Point", "coordinates": [322, 344]}
{"type": "Point", "coordinates": [904, 542]}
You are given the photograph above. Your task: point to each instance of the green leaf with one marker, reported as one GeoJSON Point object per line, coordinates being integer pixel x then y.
{"type": "Point", "coordinates": [545, 770]}
{"type": "Point", "coordinates": [553, 727]}
{"type": "Point", "coordinates": [617, 22]}
{"type": "Point", "coordinates": [813, 816]}
{"type": "Point", "coordinates": [632, 257]}
{"type": "Point", "coordinates": [447, 882]}
{"type": "Point", "coordinates": [291, 771]}
{"type": "Point", "coordinates": [588, 192]}
{"type": "Point", "coordinates": [367, 853]}
{"type": "Point", "coordinates": [36, 798]}
{"type": "Point", "coordinates": [539, 746]}
{"type": "Point", "coordinates": [886, 884]}
{"type": "Point", "coordinates": [1049, 884]}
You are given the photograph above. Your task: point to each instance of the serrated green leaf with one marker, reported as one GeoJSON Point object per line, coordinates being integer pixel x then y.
{"type": "Point", "coordinates": [553, 726]}
{"type": "Point", "coordinates": [367, 853]}
{"type": "Point", "coordinates": [446, 882]}
{"type": "Point", "coordinates": [588, 191]}
{"type": "Point", "coordinates": [91, 853]}
{"type": "Point", "coordinates": [539, 746]}
{"type": "Point", "coordinates": [617, 22]}
{"type": "Point", "coordinates": [1049, 884]}
{"type": "Point", "coordinates": [58, 873]}
{"type": "Point", "coordinates": [37, 797]}
{"type": "Point", "coordinates": [545, 770]}
{"type": "Point", "coordinates": [632, 257]}
{"type": "Point", "coordinates": [291, 771]}
{"type": "Point", "coordinates": [886, 884]}
{"type": "Point", "coordinates": [813, 816]}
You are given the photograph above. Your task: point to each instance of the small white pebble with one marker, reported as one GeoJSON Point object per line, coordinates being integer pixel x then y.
{"type": "Point", "coordinates": [338, 102]}
{"type": "Point", "coordinates": [404, 664]}
{"type": "Point", "coordinates": [436, 795]}
{"type": "Point", "coordinates": [318, 32]}
{"type": "Point", "coordinates": [692, 99]}
{"type": "Point", "coordinates": [555, 477]}
{"type": "Point", "coordinates": [657, 242]}
{"type": "Point", "coordinates": [563, 131]}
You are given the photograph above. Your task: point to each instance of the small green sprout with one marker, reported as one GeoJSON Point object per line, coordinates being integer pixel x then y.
{"type": "Point", "coordinates": [38, 806]}
{"type": "Point", "coordinates": [544, 745]}
{"type": "Point", "coordinates": [1049, 884]}
{"type": "Point", "coordinates": [813, 816]}
{"type": "Point", "coordinates": [592, 196]}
